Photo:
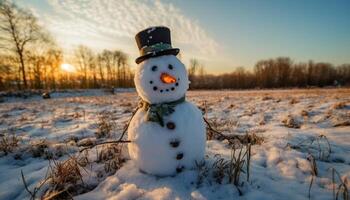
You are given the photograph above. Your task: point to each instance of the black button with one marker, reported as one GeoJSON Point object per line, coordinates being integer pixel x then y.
{"type": "Point", "coordinates": [179, 156]}
{"type": "Point", "coordinates": [170, 125]}
{"type": "Point", "coordinates": [179, 169]}
{"type": "Point", "coordinates": [175, 143]}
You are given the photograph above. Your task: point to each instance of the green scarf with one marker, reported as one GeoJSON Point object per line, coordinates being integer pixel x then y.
{"type": "Point", "coordinates": [155, 112]}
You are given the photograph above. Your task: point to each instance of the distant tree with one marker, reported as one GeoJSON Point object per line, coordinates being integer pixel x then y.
{"type": "Point", "coordinates": [121, 58]}
{"type": "Point", "coordinates": [343, 74]}
{"type": "Point", "coordinates": [18, 29]}
{"type": "Point", "coordinates": [84, 57]}
{"type": "Point", "coordinates": [283, 66]}
{"type": "Point", "coordinates": [264, 71]}
{"type": "Point", "coordinates": [298, 75]}
{"type": "Point", "coordinates": [54, 59]}
{"type": "Point", "coordinates": [192, 70]}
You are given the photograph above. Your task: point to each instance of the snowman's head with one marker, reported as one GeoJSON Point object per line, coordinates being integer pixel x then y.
{"type": "Point", "coordinates": [161, 79]}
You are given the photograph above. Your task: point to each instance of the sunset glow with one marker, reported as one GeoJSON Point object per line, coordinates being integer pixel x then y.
{"type": "Point", "coordinates": [68, 68]}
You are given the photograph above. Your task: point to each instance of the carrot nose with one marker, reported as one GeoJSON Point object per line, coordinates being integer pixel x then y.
{"type": "Point", "coordinates": [166, 78]}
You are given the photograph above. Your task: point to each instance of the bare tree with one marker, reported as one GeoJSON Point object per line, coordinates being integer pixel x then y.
{"type": "Point", "coordinates": [18, 28]}
{"type": "Point", "coordinates": [192, 70]}
{"type": "Point", "coordinates": [54, 59]}
{"type": "Point", "coordinates": [114, 64]}
{"type": "Point", "coordinates": [101, 64]}
{"type": "Point", "coordinates": [121, 58]}
{"type": "Point", "coordinates": [85, 59]}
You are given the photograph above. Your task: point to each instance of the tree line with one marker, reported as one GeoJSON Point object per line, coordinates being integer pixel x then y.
{"type": "Point", "coordinates": [280, 72]}
{"type": "Point", "coordinates": [31, 59]}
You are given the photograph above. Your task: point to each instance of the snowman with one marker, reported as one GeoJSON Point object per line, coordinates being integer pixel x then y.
{"type": "Point", "coordinates": [167, 132]}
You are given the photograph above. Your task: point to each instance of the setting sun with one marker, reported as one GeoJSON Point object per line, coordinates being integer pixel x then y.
{"type": "Point", "coordinates": [68, 67]}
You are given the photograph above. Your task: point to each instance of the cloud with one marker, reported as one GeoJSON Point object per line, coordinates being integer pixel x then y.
{"type": "Point", "coordinates": [107, 22]}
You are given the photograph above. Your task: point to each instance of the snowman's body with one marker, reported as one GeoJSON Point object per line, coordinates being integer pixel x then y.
{"type": "Point", "coordinates": [180, 142]}
{"type": "Point", "coordinates": [157, 150]}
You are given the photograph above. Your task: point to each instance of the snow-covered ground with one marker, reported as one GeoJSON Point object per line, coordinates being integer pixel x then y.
{"type": "Point", "coordinates": [294, 126]}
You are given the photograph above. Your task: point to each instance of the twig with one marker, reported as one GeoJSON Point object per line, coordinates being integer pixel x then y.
{"type": "Point", "coordinates": [127, 125]}
{"type": "Point", "coordinates": [108, 142]}
{"type": "Point", "coordinates": [120, 138]}
{"type": "Point", "coordinates": [26, 186]}
{"type": "Point", "coordinates": [217, 132]}
{"type": "Point", "coordinates": [36, 188]}
{"type": "Point", "coordinates": [248, 160]}
{"type": "Point", "coordinates": [312, 181]}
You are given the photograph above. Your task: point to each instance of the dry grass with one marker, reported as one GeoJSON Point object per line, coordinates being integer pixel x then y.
{"type": "Point", "coordinates": [248, 138]}
{"type": "Point", "coordinates": [294, 101]}
{"type": "Point", "coordinates": [239, 162]}
{"type": "Point", "coordinates": [40, 149]}
{"type": "Point", "coordinates": [339, 185]}
{"type": "Point", "coordinates": [314, 171]}
{"type": "Point", "coordinates": [340, 189]}
{"type": "Point", "coordinates": [65, 179]}
{"type": "Point", "coordinates": [319, 147]}
{"type": "Point", "coordinates": [304, 113]}
{"type": "Point", "coordinates": [291, 122]}
{"type": "Point", "coordinates": [105, 125]}
{"type": "Point", "coordinates": [342, 119]}
{"type": "Point", "coordinates": [339, 105]}
{"type": "Point", "coordinates": [8, 143]}
{"type": "Point", "coordinates": [266, 98]}
{"type": "Point", "coordinates": [219, 168]}
{"type": "Point", "coordinates": [313, 165]}
{"type": "Point", "coordinates": [111, 156]}
{"type": "Point", "coordinates": [33, 193]}
{"type": "Point", "coordinates": [203, 172]}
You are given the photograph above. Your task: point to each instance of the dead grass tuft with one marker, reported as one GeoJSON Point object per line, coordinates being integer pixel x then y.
{"type": "Point", "coordinates": [8, 143]}
{"type": "Point", "coordinates": [219, 168]}
{"type": "Point", "coordinates": [342, 119]}
{"type": "Point", "coordinates": [40, 149]}
{"type": "Point", "coordinates": [319, 147]}
{"type": "Point", "coordinates": [340, 188]}
{"type": "Point", "coordinates": [313, 164]}
{"type": "Point", "coordinates": [266, 98]}
{"type": "Point", "coordinates": [65, 179]}
{"type": "Point", "coordinates": [213, 133]}
{"type": "Point", "coordinates": [111, 156]}
{"type": "Point", "coordinates": [294, 101]}
{"type": "Point", "coordinates": [105, 125]}
{"type": "Point", "coordinates": [291, 122]}
{"type": "Point", "coordinates": [314, 171]}
{"type": "Point", "coordinates": [238, 163]}
{"type": "Point", "coordinates": [304, 113]}
{"type": "Point", "coordinates": [339, 105]}
{"type": "Point", "coordinates": [203, 172]}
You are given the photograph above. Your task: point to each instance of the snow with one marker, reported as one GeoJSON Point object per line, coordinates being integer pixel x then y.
{"type": "Point", "coordinates": [278, 170]}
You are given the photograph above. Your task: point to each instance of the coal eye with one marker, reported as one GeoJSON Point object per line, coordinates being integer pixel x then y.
{"type": "Point", "coordinates": [170, 67]}
{"type": "Point", "coordinates": [154, 68]}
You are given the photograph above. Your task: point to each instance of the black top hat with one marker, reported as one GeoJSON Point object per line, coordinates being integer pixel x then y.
{"type": "Point", "coordinates": [153, 42]}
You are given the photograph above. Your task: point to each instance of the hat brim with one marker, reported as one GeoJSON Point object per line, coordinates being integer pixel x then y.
{"type": "Point", "coordinates": [173, 51]}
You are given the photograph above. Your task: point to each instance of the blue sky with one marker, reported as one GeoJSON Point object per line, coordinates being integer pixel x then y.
{"type": "Point", "coordinates": [221, 34]}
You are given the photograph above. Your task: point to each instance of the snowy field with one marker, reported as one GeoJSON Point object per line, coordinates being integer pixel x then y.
{"type": "Point", "coordinates": [299, 137]}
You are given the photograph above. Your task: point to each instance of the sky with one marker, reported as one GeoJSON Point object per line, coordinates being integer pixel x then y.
{"type": "Point", "coordinates": [222, 35]}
